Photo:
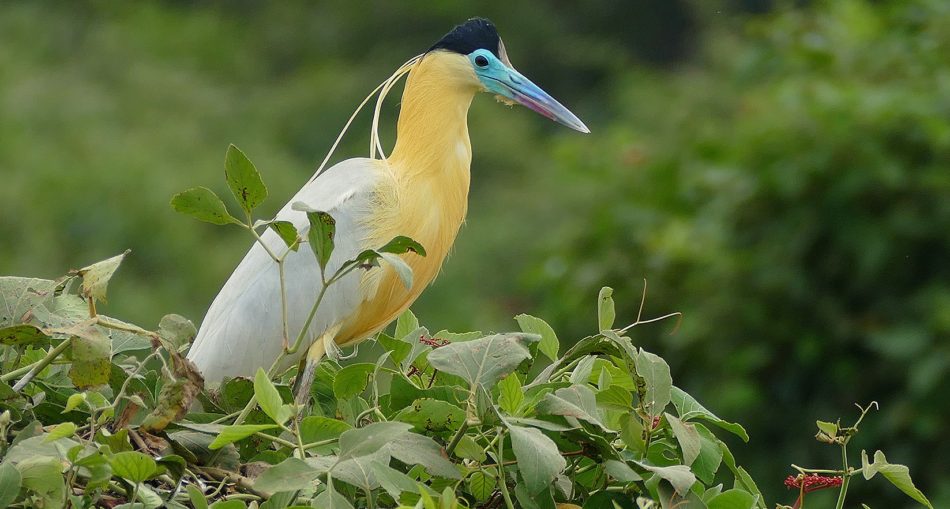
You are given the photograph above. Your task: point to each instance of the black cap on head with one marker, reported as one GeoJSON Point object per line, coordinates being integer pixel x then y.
{"type": "Point", "coordinates": [476, 33]}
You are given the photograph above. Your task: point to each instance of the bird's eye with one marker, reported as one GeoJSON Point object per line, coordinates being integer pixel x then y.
{"type": "Point", "coordinates": [481, 61]}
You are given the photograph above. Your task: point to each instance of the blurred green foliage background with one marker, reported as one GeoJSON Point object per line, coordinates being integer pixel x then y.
{"type": "Point", "coordinates": [778, 173]}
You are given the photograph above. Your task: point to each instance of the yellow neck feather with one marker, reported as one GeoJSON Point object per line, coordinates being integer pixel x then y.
{"type": "Point", "coordinates": [425, 195]}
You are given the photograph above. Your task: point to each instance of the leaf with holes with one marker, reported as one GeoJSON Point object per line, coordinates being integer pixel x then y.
{"type": "Point", "coordinates": [95, 277]}
{"type": "Point", "coordinates": [203, 204]}
{"type": "Point", "coordinates": [244, 179]}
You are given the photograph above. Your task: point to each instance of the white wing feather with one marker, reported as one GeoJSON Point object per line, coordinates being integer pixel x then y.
{"type": "Point", "coordinates": [243, 328]}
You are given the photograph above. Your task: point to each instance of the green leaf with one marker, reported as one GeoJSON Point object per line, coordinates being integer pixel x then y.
{"type": "Point", "coordinates": [22, 334]}
{"type": "Point", "coordinates": [510, 394]}
{"type": "Point", "coordinates": [656, 374]}
{"type": "Point", "coordinates": [432, 415]}
{"type": "Point", "coordinates": [415, 449]}
{"type": "Point", "coordinates": [483, 361]}
{"type": "Point", "coordinates": [316, 428]}
{"type": "Point", "coordinates": [133, 466]}
{"type": "Point", "coordinates": [269, 399]}
{"type": "Point", "coordinates": [406, 324]}
{"type": "Point", "coordinates": [615, 397]}
{"type": "Point", "coordinates": [10, 483]}
{"type": "Point", "coordinates": [202, 204]}
{"type": "Point", "coordinates": [321, 233]}
{"type": "Point", "coordinates": [177, 331]}
{"type": "Point", "coordinates": [95, 277]}
{"type": "Point", "coordinates": [605, 309]}
{"type": "Point", "coordinates": [61, 430]}
{"type": "Point", "coordinates": [828, 428]}
{"type": "Point", "coordinates": [621, 471]}
{"type": "Point", "coordinates": [687, 436]}
{"type": "Point", "coordinates": [631, 432]}
{"type": "Point", "coordinates": [576, 401]}
{"type": "Point", "coordinates": [549, 344]}
{"type": "Point", "coordinates": [539, 460]}
{"type": "Point", "coordinates": [369, 439]}
{"type": "Point", "coordinates": [581, 373]}
{"type": "Point", "coordinates": [393, 481]}
{"type": "Point", "coordinates": [20, 296]}
{"type": "Point", "coordinates": [402, 245]}
{"type": "Point", "coordinates": [289, 475]}
{"type": "Point", "coordinates": [44, 476]}
{"type": "Point", "coordinates": [899, 475]}
{"type": "Point", "coordinates": [732, 499]}
{"type": "Point", "coordinates": [710, 456]}
{"type": "Point", "coordinates": [403, 270]}
{"type": "Point", "coordinates": [244, 179]}
{"type": "Point", "coordinates": [481, 485]}
{"type": "Point", "coordinates": [287, 232]}
{"type": "Point", "coordinates": [352, 380]}
{"type": "Point", "coordinates": [330, 499]}
{"type": "Point", "coordinates": [678, 475]}
{"type": "Point", "coordinates": [228, 504]}
{"type": "Point", "coordinates": [468, 448]}
{"type": "Point", "coordinates": [688, 408]}
{"type": "Point", "coordinates": [91, 354]}
{"type": "Point", "coordinates": [235, 432]}
{"type": "Point", "coordinates": [74, 401]}
{"type": "Point", "coordinates": [196, 497]}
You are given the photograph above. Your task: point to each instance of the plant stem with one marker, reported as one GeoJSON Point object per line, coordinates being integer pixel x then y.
{"type": "Point", "coordinates": [39, 366]}
{"type": "Point", "coordinates": [276, 440]}
{"type": "Point", "coordinates": [845, 479]}
{"type": "Point", "coordinates": [457, 438]}
{"type": "Point", "coordinates": [502, 482]}
{"type": "Point", "coordinates": [17, 372]}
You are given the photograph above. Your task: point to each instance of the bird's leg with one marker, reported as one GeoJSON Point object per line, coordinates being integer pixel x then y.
{"type": "Point", "coordinates": [308, 367]}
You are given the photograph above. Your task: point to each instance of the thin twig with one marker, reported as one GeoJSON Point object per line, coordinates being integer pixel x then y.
{"type": "Point", "coordinates": [39, 366]}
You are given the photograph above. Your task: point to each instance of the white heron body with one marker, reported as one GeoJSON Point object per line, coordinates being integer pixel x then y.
{"type": "Point", "coordinates": [419, 191]}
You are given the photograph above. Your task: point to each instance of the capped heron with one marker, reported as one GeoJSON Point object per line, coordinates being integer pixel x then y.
{"type": "Point", "coordinates": [419, 191]}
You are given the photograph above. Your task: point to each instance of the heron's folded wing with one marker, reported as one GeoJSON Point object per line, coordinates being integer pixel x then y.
{"type": "Point", "coordinates": [243, 328]}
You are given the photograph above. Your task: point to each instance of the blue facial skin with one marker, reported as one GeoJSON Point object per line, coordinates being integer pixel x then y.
{"type": "Point", "coordinates": [504, 81]}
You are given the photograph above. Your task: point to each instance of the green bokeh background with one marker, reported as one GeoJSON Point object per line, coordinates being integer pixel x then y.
{"type": "Point", "coordinates": [779, 173]}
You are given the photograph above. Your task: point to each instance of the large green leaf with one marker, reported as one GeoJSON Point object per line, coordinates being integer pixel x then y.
{"type": "Point", "coordinates": [687, 436]}
{"type": "Point", "coordinates": [316, 428]}
{"type": "Point", "coordinates": [510, 393]}
{"type": "Point", "coordinates": [22, 334]}
{"type": "Point", "coordinates": [244, 179]}
{"type": "Point", "coordinates": [290, 475]}
{"type": "Point", "coordinates": [415, 449]}
{"type": "Point", "coordinates": [352, 380]}
{"type": "Point", "coordinates": [369, 439]}
{"type": "Point", "coordinates": [549, 344]}
{"type": "Point", "coordinates": [133, 466]}
{"type": "Point", "coordinates": [43, 475]}
{"type": "Point", "coordinates": [432, 415]}
{"type": "Point", "coordinates": [10, 483]}
{"type": "Point", "coordinates": [539, 460]}
{"type": "Point", "coordinates": [91, 354]}
{"type": "Point", "coordinates": [899, 475]}
{"type": "Point", "coordinates": [483, 361]}
{"type": "Point", "coordinates": [19, 296]}
{"type": "Point", "coordinates": [688, 408]}
{"type": "Point", "coordinates": [656, 374]}
{"type": "Point", "coordinates": [732, 499]}
{"type": "Point", "coordinates": [678, 475]}
{"type": "Point", "coordinates": [577, 401]}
